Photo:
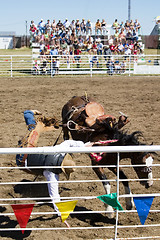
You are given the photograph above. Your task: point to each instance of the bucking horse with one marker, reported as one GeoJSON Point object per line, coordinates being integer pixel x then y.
{"type": "Point", "coordinates": [85, 120]}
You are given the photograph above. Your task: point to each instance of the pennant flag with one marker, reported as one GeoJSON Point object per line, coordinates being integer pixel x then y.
{"type": "Point", "coordinates": [66, 208]}
{"type": "Point", "coordinates": [22, 213]}
{"type": "Point", "coordinates": [111, 199]}
{"type": "Point", "coordinates": [143, 205]}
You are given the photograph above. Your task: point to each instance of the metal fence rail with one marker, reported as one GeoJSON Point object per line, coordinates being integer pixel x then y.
{"type": "Point", "coordinates": [29, 65]}
{"type": "Point", "coordinates": [115, 227]}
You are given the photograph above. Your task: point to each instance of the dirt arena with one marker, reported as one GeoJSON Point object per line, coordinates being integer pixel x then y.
{"type": "Point", "coordinates": [138, 97]}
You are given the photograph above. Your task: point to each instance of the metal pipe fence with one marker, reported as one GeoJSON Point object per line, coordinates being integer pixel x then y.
{"type": "Point", "coordinates": [116, 228]}
{"type": "Point", "coordinates": [49, 65]}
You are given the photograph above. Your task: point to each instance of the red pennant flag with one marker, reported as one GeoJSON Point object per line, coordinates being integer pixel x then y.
{"type": "Point", "coordinates": [22, 213]}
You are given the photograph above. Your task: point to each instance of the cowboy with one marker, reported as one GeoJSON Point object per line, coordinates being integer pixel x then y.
{"type": "Point", "coordinates": [60, 160]}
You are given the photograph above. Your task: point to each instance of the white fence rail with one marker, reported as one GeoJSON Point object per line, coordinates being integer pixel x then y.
{"type": "Point", "coordinates": [115, 227]}
{"type": "Point", "coordinates": [29, 65]}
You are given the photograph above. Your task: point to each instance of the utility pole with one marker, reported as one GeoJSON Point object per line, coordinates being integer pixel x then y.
{"type": "Point", "coordinates": [129, 10]}
{"type": "Point", "coordinates": [26, 33]}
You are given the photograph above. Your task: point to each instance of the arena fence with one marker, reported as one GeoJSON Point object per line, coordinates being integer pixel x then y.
{"type": "Point", "coordinates": [110, 231]}
{"type": "Point", "coordinates": [29, 65]}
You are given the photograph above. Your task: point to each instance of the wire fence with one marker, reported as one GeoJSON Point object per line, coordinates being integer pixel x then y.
{"type": "Point", "coordinates": [49, 65]}
{"type": "Point", "coordinates": [116, 228]}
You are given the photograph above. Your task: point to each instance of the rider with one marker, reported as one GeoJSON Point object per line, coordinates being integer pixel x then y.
{"type": "Point", "coordinates": [56, 159]}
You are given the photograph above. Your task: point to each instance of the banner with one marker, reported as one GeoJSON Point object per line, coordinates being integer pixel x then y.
{"type": "Point", "coordinates": [143, 205]}
{"type": "Point", "coordinates": [22, 213]}
{"type": "Point", "coordinates": [66, 208]}
{"type": "Point", "coordinates": [111, 199]}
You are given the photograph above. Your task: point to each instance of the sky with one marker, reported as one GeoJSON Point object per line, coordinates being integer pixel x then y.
{"type": "Point", "coordinates": [16, 15]}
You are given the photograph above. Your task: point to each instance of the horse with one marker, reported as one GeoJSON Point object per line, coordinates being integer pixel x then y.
{"type": "Point", "coordinates": [106, 131]}
{"type": "Point", "coordinates": [84, 118]}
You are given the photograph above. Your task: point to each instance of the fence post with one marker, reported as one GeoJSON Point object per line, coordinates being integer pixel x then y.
{"type": "Point", "coordinates": [118, 158]}
{"type": "Point", "coordinates": [90, 63]}
{"type": "Point", "coordinates": [129, 66]}
{"type": "Point", "coordinates": [51, 67]}
{"type": "Point", "coordinates": [11, 66]}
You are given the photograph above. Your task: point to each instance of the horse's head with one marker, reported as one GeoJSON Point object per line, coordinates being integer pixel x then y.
{"type": "Point", "coordinates": [143, 172]}
{"type": "Point", "coordinates": [138, 158]}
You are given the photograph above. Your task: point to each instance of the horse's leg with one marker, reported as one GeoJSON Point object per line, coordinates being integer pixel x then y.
{"type": "Point", "coordinates": [129, 200]}
{"type": "Point", "coordinates": [65, 133]}
{"type": "Point", "coordinates": [101, 175]}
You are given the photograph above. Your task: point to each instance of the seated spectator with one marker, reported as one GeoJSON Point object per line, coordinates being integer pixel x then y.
{"type": "Point", "coordinates": [117, 66]}
{"type": "Point", "coordinates": [54, 51]}
{"type": "Point", "coordinates": [32, 30]}
{"type": "Point", "coordinates": [120, 47]}
{"type": "Point", "coordinates": [135, 35]}
{"type": "Point", "coordinates": [89, 47]}
{"type": "Point", "coordinates": [73, 26]}
{"type": "Point", "coordinates": [66, 24]}
{"type": "Point", "coordinates": [98, 29]}
{"type": "Point", "coordinates": [122, 35]}
{"type": "Point", "coordinates": [94, 47]}
{"type": "Point", "coordinates": [63, 44]}
{"type": "Point", "coordinates": [99, 47]}
{"type": "Point", "coordinates": [131, 25]}
{"type": "Point", "coordinates": [137, 25]}
{"type": "Point", "coordinates": [103, 26]}
{"type": "Point", "coordinates": [112, 47]}
{"type": "Point", "coordinates": [77, 56]}
{"type": "Point", "coordinates": [53, 26]}
{"type": "Point", "coordinates": [110, 66]}
{"type": "Point", "coordinates": [46, 37]}
{"type": "Point", "coordinates": [41, 26]}
{"type": "Point", "coordinates": [48, 27]}
{"type": "Point", "coordinates": [37, 36]}
{"type": "Point", "coordinates": [110, 41]}
{"type": "Point", "coordinates": [78, 27]}
{"type": "Point", "coordinates": [88, 27]}
{"type": "Point", "coordinates": [127, 25]}
{"type": "Point", "coordinates": [107, 52]}
{"type": "Point", "coordinates": [59, 26]}
{"type": "Point", "coordinates": [129, 35]}
{"type": "Point", "coordinates": [41, 46]}
{"type": "Point", "coordinates": [81, 41]}
{"type": "Point", "coordinates": [121, 25]}
{"type": "Point", "coordinates": [115, 25]}
{"type": "Point", "coordinates": [83, 27]}
{"type": "Point", "coordinates": [123, 66]}
{"type": "Point", "coordinates": [116, 35]}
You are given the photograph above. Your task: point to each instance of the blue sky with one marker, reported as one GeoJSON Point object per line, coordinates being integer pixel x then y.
{"type": "Point", "coordinates": [15, 13]}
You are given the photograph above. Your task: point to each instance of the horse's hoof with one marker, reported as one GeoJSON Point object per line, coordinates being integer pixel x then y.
{"type": "Point", "coordinates": [109, 213]}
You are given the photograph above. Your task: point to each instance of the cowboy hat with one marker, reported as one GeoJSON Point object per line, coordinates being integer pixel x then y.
{"type": "Point", "coordinates": [67, 161]}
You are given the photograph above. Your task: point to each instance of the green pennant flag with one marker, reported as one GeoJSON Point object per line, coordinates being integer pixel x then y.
{"type": "Point", "coordinates": [111, 199]}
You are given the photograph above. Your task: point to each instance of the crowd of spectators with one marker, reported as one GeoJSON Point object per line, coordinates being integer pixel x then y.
{"type": "Point", "coordinates": [76, 37]}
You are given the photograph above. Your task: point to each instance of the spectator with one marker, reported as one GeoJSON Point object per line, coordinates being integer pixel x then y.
{"type": "Point", "coordinates": [98, 28]}
{"type": "Point", "coordinates": [135, 35]}
{"type": "Point", "coordinates": [83, 27]}
{"type": "Point", "coordinates": [107, 53]}
{"type": "Point", "coordinates": [120, 47]}
{"type": "Point", "coordinates": [99, 47]}
{"type": "Point", "coordinates": [53, 26]}
{"type": "Point", "coordinates": [32, 30]}
{"type": "Point", "coordinates": [73, 26]}
{"type": "Point", "coordinates": [78, 27]}
{"type": "Point", "coordinates": [77, 56]}
{"type": "Point", "coordinates": [110, 66]}
{"type": "Point", "coordinates": [59, 26]}
{"type": "Point", "coordinates": [110, 41]}
{"type": "Point", "coordinates": [66, 24]}
{"type": "Point", "coordinates": [122, 35]}
{"type": "Point", "coordinates": [137, 25]}
{"type": "Point", "coordinates": [131, 25]}
{"type": "Point", "coordinates": [127, 25]}
{"type": "Point", "coordinates": [54, 51]}
{"type": "Point", "coordinates": [88, 27]}
{"type": "Point", "coordinates": [41, 26]}
{"type": "Point", "coordinates": [103, 26]}
{"type": "Point", "coordinates": [116, 35]}
{"type": "Point", "coordinates": [48, 27]}
{"type": "Point", "coordinates": [115, 25]}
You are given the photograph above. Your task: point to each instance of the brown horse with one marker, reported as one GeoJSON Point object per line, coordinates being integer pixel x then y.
{"type": "Point", "coordinates": [85, 120]}
{"type": "Point", "coordinates": [90, 124]}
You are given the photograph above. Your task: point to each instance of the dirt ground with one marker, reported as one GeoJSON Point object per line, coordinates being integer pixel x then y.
{"type": "Point", "coordinates": [138, 97]}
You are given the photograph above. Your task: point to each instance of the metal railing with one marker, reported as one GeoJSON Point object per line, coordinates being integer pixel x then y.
{"type": "Point", "coordinates": [116, 227]}
{"type": "Point", "coordinates": [27, 65]}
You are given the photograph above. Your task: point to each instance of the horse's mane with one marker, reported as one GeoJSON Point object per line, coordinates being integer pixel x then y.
{"type": "Point", "coordinates": [127, 139]}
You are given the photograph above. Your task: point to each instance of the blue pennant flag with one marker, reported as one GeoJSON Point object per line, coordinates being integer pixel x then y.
{"type": "Point", "coordinates": [143, 205]}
